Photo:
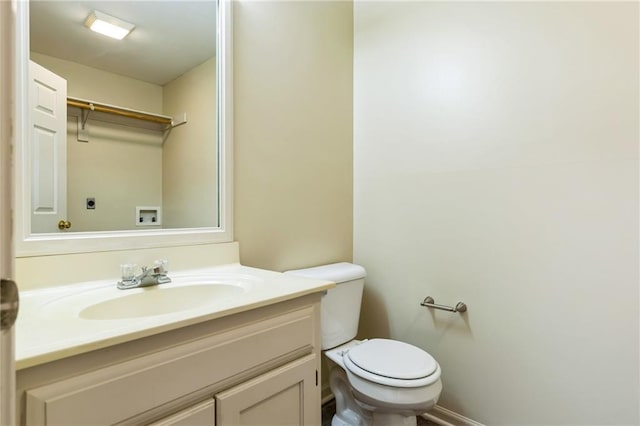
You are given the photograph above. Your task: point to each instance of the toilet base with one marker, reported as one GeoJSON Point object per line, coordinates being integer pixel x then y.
{"type": "Point", "coordinates": [337, 421]}
{"type": "Point", "coordinates": [381, 420]}
{"type": "Point", "coordinates": [394, 419]}
{"type": "Point", "coordinates": [378, 419]}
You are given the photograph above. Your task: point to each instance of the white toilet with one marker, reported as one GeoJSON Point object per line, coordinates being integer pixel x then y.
{"type": "Point", "coordinates": [378, 382]}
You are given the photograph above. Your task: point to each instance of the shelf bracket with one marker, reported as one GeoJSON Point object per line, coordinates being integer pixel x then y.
{"type": "Point", "coordinates": [85, 115]}
{"type": "Point", "coordinates": [83, 130]}
{"type": "Point", "coordinates": [174, 123]}
{"type": "Point", "coordinates": [180, 122]}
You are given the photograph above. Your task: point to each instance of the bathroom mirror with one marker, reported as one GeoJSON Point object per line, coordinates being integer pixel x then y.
{"type": "Point", "coordinates": [131, 182]}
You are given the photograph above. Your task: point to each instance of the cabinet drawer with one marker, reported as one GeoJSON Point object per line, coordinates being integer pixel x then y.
{"type": "Point", "coordinates": [118, 392]}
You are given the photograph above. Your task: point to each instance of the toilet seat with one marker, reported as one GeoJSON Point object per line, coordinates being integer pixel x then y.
{"type": "Point", "coordinates": [392, 363]}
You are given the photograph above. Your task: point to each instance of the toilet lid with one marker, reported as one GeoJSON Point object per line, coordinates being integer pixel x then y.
{"type": "Point", "coordinates": [393, 359]}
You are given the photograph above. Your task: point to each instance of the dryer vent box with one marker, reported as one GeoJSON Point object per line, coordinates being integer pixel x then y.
{"type": "Point", "coordinates": [148, 216]}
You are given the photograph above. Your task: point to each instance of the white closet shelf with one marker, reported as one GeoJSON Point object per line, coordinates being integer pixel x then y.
{"type": "Point", "coordinates": [120, 115]}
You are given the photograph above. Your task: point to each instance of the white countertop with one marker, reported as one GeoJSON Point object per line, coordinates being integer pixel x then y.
{"type": "Point", "coordinates": [49, 325]}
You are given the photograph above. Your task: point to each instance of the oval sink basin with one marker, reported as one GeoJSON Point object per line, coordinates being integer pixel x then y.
{"type": "Point", "coordinates": [159, 300]}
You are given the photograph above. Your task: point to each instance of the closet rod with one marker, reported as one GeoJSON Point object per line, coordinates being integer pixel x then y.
{"type": "Point", "coordinates": [91, 106]}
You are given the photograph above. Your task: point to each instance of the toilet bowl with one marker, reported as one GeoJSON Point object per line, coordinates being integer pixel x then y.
{"type": "Point", "coordinates": [379, 382]}
{"type": "Point", "coordinates": [389, 382]}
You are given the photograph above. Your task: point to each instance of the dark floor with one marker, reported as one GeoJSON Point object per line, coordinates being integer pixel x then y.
{"type": "Point", "coordinates": [329, 409]}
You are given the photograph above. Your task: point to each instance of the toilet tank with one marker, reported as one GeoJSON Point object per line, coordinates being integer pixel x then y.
{"type": "Point", "coordinates": [340, 307]}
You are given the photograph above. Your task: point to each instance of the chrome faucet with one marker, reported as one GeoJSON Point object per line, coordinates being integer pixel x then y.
{"type": "Point", "coordinates": [149, 276]}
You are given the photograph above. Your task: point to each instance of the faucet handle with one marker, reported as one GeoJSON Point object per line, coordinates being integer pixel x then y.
{"type": "Point", "coordinates": [128, 271]}
{"type": "Point", "coordinates": [160, 266]}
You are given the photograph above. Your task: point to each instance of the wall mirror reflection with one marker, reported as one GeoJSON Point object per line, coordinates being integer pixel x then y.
{"type": "Point", "coordinates": [123, 132]}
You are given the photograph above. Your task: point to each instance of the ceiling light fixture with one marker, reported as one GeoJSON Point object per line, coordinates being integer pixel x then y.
{"type": "Point", "coordinates": [108, 25]}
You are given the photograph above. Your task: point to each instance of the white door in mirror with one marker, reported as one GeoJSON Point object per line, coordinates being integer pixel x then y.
{"type": "Point", "coordinates": [48, 145]}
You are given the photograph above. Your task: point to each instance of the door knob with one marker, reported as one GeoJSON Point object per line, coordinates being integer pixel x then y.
{"type": "Point", "coordinates": [64, 224]}
{"type": "Point", "coordinates": [10, 303]}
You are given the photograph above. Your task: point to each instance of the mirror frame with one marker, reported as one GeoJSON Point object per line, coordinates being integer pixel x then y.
{"type": "Point", "coordinates": [30, 244]}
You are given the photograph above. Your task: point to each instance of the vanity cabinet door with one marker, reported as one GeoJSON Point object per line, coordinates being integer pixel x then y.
{"type": "Point", "coordinates": [285, 396]}
{"type": "Point", "coordinates": [202, 414]}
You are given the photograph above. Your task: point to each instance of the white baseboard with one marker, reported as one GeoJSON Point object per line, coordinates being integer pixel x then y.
{"type": "Point", "coordinates": [445, 417]}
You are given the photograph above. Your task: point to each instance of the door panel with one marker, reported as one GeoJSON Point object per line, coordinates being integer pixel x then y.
{"type": "Point", "coordinates": [48, 137]}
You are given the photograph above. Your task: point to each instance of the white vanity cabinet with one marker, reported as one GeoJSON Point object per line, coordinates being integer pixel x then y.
{"type": "Point", "coordinates": [257, 367]}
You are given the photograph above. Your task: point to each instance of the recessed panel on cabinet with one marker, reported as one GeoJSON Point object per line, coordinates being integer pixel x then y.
{"type": "Point", "coordinates": [286, 396]}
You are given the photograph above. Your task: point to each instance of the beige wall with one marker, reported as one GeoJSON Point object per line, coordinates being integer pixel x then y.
{"type": "Point", "coordinates": [120, 166]}
{"type": "Point", "coordinates": [189, 162]}
{"type": "Point", "coordinates": [44, 271]}
{"type": "Point", "coordinates": [293, 132]}
{"type": "Point", "coordinates": [101, 86]}
{"type": "Point", "coordinates": [496, 162]}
